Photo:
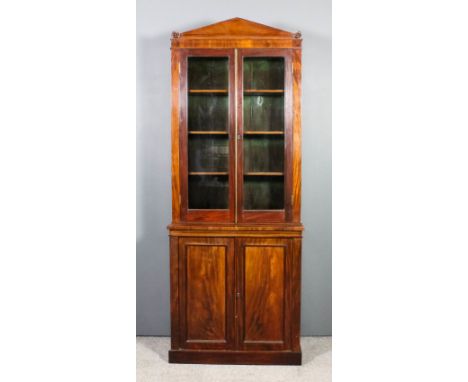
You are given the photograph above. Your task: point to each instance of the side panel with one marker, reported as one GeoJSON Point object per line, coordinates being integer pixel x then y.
{"type": "Point", "coordinates": [296, 294]}
{"type": "Point", "coordinates": [206, 285]}
{"type": "Point", "coordinates": [175, 114]}
{"type": "Point", "coordinates": [264, 295]}
{"type": "Point", "coordinates": [174, 268]}
{"type": "Point", "coordinates": [296, 144]}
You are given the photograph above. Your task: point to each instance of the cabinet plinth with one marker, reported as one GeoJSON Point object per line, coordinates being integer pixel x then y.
{"type": "Point", "coordinates": [235, 237]}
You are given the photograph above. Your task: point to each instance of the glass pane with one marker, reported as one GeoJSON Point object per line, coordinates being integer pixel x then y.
{"type": "Point", "coordinates": [208, 73]}
{"type": "Point", "coordinates": [208, 112]}
{"type": "Point", "coordinates": [263, 153]}
{"type": "Point", "coordinates": [263, 193]}
{"type": "Point", "coordinates": [263, 112]}
{"type": "Point", "coordinates": [208, 138]}
{"type": "Point", "coordinates": [208, 153]}
{"type": "Point", "coordinates": [263, 128]}
{"type": "Point", "coordinates": [208, 192]}
{"type": "Point", "coordinates": [264, 73]}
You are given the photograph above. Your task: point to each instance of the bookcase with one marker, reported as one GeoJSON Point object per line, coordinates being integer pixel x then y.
{"type": "Point", "coordinates": [236, 233]}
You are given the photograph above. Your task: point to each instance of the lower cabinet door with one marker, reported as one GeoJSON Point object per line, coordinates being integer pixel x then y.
{"type": "Point", "coordinates": [206, 293]}
{"type": "Point", "coordinates": [263, 293]}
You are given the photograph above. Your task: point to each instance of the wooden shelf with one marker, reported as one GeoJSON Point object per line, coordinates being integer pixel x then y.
{"type": "Point", "coordinates": [264, 173]}
{"type": "Point", "coordinates": [208, 91]}
{"type": "Point", "coordinates": [279, 91]}
{"type": "Point", "coordinates": [209, 173]}
{"type": "Point", "coordinates": [208, 132]}
{"type": "Point", "coordinates": [252, 132]}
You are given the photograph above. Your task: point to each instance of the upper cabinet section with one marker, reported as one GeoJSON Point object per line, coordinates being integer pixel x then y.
{"type": "Point", "coordinates": [236, 33]}
{"type": "Point", "coordinates": [236, 124]}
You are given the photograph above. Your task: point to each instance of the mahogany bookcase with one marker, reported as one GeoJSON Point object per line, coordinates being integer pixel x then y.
{"type": "Point", "coordinates": [236, 232]}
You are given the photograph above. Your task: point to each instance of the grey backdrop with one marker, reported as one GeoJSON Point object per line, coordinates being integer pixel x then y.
{"type": "Point", "coordinates": [155, 22]}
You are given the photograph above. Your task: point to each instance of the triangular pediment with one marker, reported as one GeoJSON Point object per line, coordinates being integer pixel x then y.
{"type": "Point", "coordinates": [235, 28]}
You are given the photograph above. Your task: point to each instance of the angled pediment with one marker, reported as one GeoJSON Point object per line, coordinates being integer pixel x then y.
{"type": "Point", "coordinates": [236, 28]}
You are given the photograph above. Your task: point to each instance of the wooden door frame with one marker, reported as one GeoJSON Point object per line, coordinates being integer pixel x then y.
{"type": "Point", "coordinates": [240, 245]}
{"type": "Point", "coordinates": [266, 216]}
{"type": "Point", "coordinates": [183, 341]}
{"type": "Point", "coordinates": [205, 215]}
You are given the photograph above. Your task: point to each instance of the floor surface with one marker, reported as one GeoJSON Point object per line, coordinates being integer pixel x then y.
{"type": "Point", "coordinates": [152, 365]}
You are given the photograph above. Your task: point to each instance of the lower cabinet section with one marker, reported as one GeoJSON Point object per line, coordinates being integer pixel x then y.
{"type": "Point", "coordinates": [235, 300]}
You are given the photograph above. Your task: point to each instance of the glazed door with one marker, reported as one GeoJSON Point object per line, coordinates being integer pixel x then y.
{"type": "Point", "coordinates": [207, 135]}
{"type": "Point", "coordinates": [206, 288]}
{"type": "Point", "coordinates": [264, 135]}
{"type": "Point", "coordinates": [236, 135]}
{"type": "Point", "coordinates": [263, 293]}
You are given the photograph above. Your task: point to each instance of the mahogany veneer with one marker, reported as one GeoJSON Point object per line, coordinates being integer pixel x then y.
{"type": "Point", "coordinates": [235, 273]}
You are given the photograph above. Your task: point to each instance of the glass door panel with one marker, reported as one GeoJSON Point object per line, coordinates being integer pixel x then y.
{"type": "Point", "coordinates": [208, 133]}
{"type": "Point", "coordinates": [208, 192]}
{"type": "Point", "coordinates": [263, 133]}
{"type": "Point", "coordinates": [263, 154]}
{"type": "Point", "coordinates": [208, 153]}
{"type": "Point", "coordinates": [263, 112]}
{"type": "Point", "coordinates": [208, 112]}
{"type": "Point", "coordinates": [208, 73]}
{"type": "Point", "coordinates": [264, 73]}
{"type": "Point", "coordinates": [263, 192]}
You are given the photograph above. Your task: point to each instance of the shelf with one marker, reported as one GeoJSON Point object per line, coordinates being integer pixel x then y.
{"type": "Point", "coordinates": [208, 173]}
{"type": "Point", "coordinates": [264, 173]}
{"type": "Point", "coordinates": [208, 132]}
{"type": "Point", "coordinates": [278, 91]}
{"type": "Point", "coordinates": [208, 91]}
{"type": "Point", "coordinates": [252, 132]}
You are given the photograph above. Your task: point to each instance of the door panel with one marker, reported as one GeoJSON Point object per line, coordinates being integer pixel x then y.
{"type": "Point", "coordinates": [264, 132]}
{"type": "Point", "coordinates": [207, 132]}
{"type": "Point", "coordinates": [264, 293]}
{"type": "Point", "coordinates": [206, 292]}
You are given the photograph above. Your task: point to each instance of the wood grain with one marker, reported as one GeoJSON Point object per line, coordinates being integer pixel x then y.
{"type": "Point", "coordinates": [288, 136]}
{"type": "Point", "coordinates": [174, 270]}
{"type": "Point", "coordinates": [236, 285]}
{"type": "Point", "coordinates": [263, 216]}
{"type": "Point", "coordinates": [200, 132]}
{"type": "Point", "coordinates": [236, 28]}
{"type": "Point", "coordinates": [175, 136]}
{"type": "Point", "coordinates": [253, 132]}
{"type": "Point", "coordinates": [296, 144]}
{"type": "Point", "coordinates": [296, 294]}
{"type": "Point", "coordinates": [196, 91]}
{"type": "Point", "coordinates": [208, 173]}
{"type": "Point", "coordinates": [252, 173]}
{"type": "Point", "coordinates": [236, 357]}
{"type": "Point", "coordinates": [273, 91]}
{"type": "Point", "coordinates": [264, 270]}
{"type": "Point", "coordinates": [200, 229]}
{"type": "Point", "coordinates": [229, 43]}
{"type": "Point", "coordinates": [206, 292]}
{"type": "Point", "coordinates": [236, 33]}
{"type": "Point", "coordinates": [264, 293]}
